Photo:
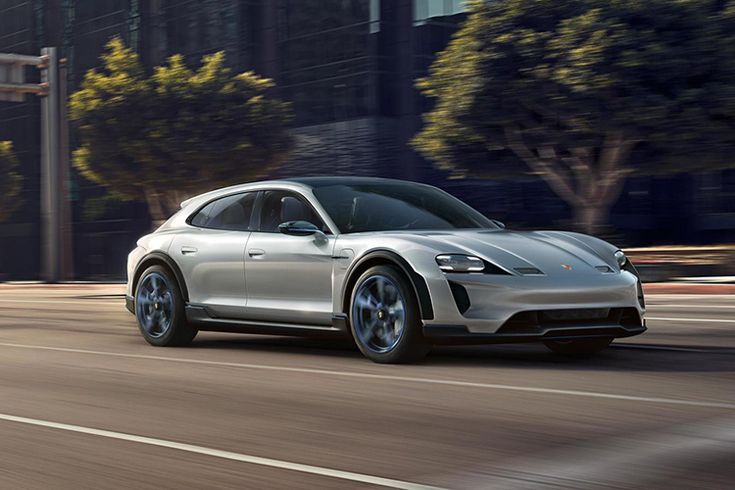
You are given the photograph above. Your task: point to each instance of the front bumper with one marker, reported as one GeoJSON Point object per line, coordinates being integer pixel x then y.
{"type": "Point", "coordinates": [483, 304]}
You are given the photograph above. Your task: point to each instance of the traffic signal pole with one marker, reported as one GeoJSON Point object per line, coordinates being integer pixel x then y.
{"type": "Point", "coordinates": [50, 195]}
{"type": "Point", "coordinates": [55, 215]}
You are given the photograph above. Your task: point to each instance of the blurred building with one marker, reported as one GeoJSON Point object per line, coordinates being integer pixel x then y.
{"type": "Point", "coordinates": [349, 68]}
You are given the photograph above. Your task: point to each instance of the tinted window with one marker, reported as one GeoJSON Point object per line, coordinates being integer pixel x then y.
{"type": "Point", "coordinates": [280, 206]}
{"type": "Point", "coordinates": [396, 206]}
{"type": "Point", "coordinates": [228, 213]}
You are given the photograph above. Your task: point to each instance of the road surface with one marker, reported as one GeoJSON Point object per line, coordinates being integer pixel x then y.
{"type": "Point", "coordinates": [86, 403]}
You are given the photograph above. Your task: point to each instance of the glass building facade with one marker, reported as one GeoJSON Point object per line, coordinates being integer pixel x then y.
{"type": "Point", "coordinates": [349, 69]}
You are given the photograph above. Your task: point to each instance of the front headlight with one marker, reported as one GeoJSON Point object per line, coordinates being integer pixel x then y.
{"type": "Point", "coordinates": [621, 258]}
{"type": "Point", "coordinates": [460, 263]}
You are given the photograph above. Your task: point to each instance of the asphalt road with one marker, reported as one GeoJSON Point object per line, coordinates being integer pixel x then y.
{"type": "Point", "coordinates": [86, 403]}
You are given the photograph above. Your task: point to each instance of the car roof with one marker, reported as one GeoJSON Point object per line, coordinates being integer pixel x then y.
{"type": "Point", "coordinates": [339, 180]}
{"type": "Point", "coordinates": [308, 182]}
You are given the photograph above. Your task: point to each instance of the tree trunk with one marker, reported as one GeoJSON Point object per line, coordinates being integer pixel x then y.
{"type": "Point", "coordinates": [589, 184]}
{"type": "Point", "coordinates": [155, 208]}
{"type": "Point", "coordinates": [590, 218]}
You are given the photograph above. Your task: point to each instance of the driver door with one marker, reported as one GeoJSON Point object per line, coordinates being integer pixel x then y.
{"type": "Point", "coordinates": [289, 278]}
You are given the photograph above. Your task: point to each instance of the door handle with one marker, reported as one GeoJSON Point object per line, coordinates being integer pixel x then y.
{"type": "Point", "coordinates": [256, 252]}
{"type": "Point", "coordinates": [188, 250]}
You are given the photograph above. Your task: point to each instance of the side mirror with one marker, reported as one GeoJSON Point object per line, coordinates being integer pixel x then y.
{"type": "Point", "coordinates": [499, 224]}
{"type": "Point", "coordinates": [298, 228]}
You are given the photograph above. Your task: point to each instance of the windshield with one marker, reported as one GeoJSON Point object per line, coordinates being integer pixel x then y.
{"type": "Point", "coordinates": [396, 206]}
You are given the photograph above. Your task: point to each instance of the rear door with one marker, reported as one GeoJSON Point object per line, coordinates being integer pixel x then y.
{"type": "Point", "coordinates": [211, 254]}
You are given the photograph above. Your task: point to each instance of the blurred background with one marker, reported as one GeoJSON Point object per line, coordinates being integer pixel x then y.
{"type": "Point", "coordinates": [349, 70]}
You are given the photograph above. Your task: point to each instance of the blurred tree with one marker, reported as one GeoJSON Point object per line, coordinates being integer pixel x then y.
{"type": "Point", "coordinates": [10, 181]}
{"type": "Point", "coordinates": [584, 92]}
{"type": "Point", "coordinates": [177, 132]}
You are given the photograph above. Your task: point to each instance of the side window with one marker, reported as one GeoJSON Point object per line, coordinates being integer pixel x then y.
{"type": "Point", "coordinates": [282, 206]}
{"type": "Point", "coordinates": [228, 213]}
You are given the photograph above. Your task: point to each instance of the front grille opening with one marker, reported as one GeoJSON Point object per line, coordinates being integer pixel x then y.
{"type": "Point", "coordinates": [523, 322]}
{"type": "Point", "coordinates": [535, 321]}
{"type": "Point", "coordinates": [574, 316]}
{"type": "Point", "coordinates": [461, 298]}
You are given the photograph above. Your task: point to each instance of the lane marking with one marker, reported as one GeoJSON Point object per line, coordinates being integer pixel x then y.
{"type": "Point", "coordinates": [623, 345]}
{"type": "Point", "coordinates": [695, 320]}
{"type": "Point", "coordinates": [217, 453]}
{"type": "Point", "coordinates": [65, 302]}
{"type": "Point", "coordinates": [387, 377]}
{"type": "Point", "coordinates": [694, 307]}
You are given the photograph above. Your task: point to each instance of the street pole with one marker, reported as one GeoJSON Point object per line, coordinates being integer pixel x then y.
{"type": "Point", "coordinates": [67, 257]}
{"type": "Point", "coordinates": [50, 195]}
{"type": "Point", "coordinates": [56, 249]}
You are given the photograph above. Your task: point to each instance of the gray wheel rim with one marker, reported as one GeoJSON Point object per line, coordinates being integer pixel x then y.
{"type": "Point", "coordinates": [154, 305]}
{"type": "Point", "coordinates": [379, 314]}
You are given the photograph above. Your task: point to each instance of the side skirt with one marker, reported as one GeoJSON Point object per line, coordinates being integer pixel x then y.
{"type": "Point", "coordinates": [199, 317]}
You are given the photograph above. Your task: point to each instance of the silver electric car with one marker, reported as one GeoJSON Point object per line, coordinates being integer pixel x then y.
{"type": "Point", "coordinates": [396, 265]}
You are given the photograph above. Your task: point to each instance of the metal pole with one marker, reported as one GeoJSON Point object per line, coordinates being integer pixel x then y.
{"type": "Point", "coordinates": [67, 258]}
{"type": "Point", "coordinates": [50, 196]}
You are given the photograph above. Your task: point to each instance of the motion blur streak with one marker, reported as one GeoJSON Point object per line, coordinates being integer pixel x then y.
{"type": "Point", "coordinates": [449, 382]}
{"type": "Point", "coordinates": [244, 458]}
{"type": "Point", "coordinates": [618, 462]}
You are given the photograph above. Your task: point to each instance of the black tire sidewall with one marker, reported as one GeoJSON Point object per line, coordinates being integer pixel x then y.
{"type": "Point", "coordinates": [179, 333]}
{"type": "Point", "coordinates": [412, 346]}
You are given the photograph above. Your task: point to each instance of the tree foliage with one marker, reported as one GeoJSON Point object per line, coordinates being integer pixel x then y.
{"type": "Point", "coordinates": [583, 93]}
{"type": "Point", "coordinates": [11, 181]}
{"type": "Point", "coordinates": [176, 132]}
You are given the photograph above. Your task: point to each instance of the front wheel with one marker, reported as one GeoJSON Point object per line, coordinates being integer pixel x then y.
{"type": "Point", "coordinates": [159, 309]}
{"type": "Point", "coordinates": [384, 317]}
{"type": "Point", "coordinates": [578, 348]}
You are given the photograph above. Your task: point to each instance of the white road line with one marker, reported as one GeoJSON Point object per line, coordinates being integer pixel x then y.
{"type": "Point", "coordinates": [388, 377]}
{"type": "Point", "coordinates": [694, 307]}
{"type": "Point", "coordinates": [217, 453]}
{"type": "Point", "coordinates": [695, 320]}
{"type": "Point", "coordinates": [65, 302]}
{"type": "Point", "coordinates": [623, 345]}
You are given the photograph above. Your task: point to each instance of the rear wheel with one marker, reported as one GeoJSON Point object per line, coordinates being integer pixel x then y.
{"type": "Point", "coordinates": [159, 308]}
{"type": "Point", "coordinates": [578, 348]}
{"type": "Point", "coordinates": [384, 317]}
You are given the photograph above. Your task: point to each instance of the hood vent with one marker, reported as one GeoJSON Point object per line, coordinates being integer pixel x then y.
{"type": "Point", "coordinates": [604, 269]}
{"type": "Point", "coordinates": [528, 271]}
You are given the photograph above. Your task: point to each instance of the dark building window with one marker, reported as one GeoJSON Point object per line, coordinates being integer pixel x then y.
{"type": "Point", "coordinates": [326, 58]}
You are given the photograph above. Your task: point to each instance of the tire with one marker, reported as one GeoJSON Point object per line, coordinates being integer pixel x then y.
{"type": "Point", "coordinates": [385, 319]}
{"type": "Point", "coordinates": [159, 309]}
{"type": "Point", "coordinates": [578, 348]}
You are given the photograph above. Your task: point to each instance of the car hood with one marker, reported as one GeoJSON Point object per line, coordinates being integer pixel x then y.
{"type": "Point", "coordinates": [551, 252]}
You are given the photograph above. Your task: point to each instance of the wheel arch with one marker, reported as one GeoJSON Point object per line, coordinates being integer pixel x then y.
{"type": "Point", "coordinates": [160, 258]}
{"type": "Point", "coordinates": [387, 257]}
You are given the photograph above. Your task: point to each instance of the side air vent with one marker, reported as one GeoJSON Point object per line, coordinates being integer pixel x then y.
{"type": "Point", "coordinates": [460, 296]}
{"type": "Point", "coordinates": [528, 271]}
